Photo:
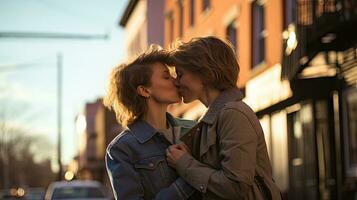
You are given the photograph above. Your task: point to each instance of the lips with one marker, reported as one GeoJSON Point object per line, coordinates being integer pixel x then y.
{"type": "Point", "coordinates": [180, 92]}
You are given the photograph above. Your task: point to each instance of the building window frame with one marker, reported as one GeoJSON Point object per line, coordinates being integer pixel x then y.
{"type": "Point", "coordinates": [192, 12]}
{"type": "Point", "coordinates": [181, 16]}
{"type": "Point", "coordinates": [348, 126]}
{"type": "Point", "coordinates": [289, 13]}
{"type": "Point", "coordinates": [232, 34]}
{"type": "Point", "coordinates": [206, 5]}
{"type": "Point", "coordinates": [259, 33]}
{"type": "Point", "coordinates": [171, 26]}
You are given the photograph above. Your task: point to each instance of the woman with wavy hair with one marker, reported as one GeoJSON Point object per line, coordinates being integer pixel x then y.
{"type": "Point", "coordinates": [139, 93]}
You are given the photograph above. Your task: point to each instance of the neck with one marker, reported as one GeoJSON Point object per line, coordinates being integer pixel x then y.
{"type": "Point", "coordinates": [209, 95]}
{"type": "Point", "coordinates": [156, 115]}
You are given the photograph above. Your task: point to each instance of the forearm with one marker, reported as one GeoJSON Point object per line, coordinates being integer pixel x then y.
{"type": "Point", "coordinates": [203, 178]}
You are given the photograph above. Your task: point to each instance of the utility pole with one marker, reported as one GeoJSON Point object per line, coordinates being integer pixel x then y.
{"type": "Point", "coordinates": [59, 113]}
{"type": "Point", "coordinates": [70, 36]}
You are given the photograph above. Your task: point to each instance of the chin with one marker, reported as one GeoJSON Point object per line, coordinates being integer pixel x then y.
{"type": "Point", "coordinates": [187, 100]}
{"type": "Point", "coordinates": [176, 100]}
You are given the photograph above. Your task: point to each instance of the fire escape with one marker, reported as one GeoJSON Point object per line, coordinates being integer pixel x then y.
{"type": "Point", "coordinates": [321, 26]}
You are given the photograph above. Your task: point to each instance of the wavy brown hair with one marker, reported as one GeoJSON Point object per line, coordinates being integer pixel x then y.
{"type": "Point", "coordinates": [212, 59]}
{"type": "Point", "coordinates": [122, 96]}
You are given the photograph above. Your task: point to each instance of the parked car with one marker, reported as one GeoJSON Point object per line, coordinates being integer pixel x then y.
{"type": "Point", "coordinates": [35, 193]}
{"type": "Point", "coordinates": [76, 190]}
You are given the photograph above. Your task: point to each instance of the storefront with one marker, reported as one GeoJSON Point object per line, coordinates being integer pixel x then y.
{"type": "Point", "coordinates": [310, 126]}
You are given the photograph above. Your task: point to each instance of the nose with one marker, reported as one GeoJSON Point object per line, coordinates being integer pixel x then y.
{"type": "Point", "coordinates": [176, 82]}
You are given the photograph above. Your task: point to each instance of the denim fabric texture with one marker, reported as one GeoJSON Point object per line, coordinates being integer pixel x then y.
{"type": "Point", "coordinates": [137, 166]}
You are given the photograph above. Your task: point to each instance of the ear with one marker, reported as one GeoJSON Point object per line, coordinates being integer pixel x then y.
{"type": "Point", "coordinates": [143, 91]}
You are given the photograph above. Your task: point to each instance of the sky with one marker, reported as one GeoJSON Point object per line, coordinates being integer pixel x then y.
{"type": "Point", "coordinates": [86, 63]}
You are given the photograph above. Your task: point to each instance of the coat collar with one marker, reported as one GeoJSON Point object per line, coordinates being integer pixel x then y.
{"type": "Point", "coordinates": [226, 96]}
{"type": "Point", "coordinates": [143, 131]}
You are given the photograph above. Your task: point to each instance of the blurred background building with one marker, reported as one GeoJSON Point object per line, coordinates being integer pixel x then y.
{"type": "Point", "coordinates": [143, 21]}
{"type": "Point", "coordinates": [298, 71]}
{"type": "Point", "coordinates": [97, 127]}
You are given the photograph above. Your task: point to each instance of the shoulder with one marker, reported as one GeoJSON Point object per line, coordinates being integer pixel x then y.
{"type": "Point", "coordinates": [121, 142]}
{"type": "Point", "coordinates": [239, 114]}
{"type": "Point", "coordinates": [239, 108]}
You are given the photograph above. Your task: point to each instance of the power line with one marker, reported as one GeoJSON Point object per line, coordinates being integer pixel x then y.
{"type": "Point", "coordinates": [39, 35]}
{"type": "Point", "coordinates": [14, 67]}
{"type": "Point", "coordinates": [29, 64]}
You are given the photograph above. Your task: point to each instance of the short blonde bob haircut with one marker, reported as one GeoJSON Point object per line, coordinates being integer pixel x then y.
{"type": "Point", "coordinates": [211, 58]}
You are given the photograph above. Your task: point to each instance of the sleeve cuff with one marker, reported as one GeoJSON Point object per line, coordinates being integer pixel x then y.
{"type": "Point", "coordinates": [184, 188]}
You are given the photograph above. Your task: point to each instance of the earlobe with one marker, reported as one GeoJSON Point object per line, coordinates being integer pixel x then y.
{"type": "Point", "coordinates": [142, 91]}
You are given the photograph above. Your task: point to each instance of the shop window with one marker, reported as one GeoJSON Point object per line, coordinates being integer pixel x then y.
{"type": "Point", "coordinates": [303, 177]}
{"type": "Point", "coordinates": [279, 149]}
{"type": "Point", "coordinates": [350, 128]}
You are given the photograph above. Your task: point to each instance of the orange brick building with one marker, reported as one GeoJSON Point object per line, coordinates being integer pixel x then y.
{"type": "Point", "coordinates": [228, 19]}
{"type": "Point", "coordinates": [298, 71]}
{"type": "Point", "coordinates": [218, 18]}
{"type": "Point", "coordinates": [298, 60]}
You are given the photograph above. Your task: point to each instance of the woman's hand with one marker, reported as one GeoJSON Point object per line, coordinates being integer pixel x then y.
{"type": "Point", "coordinates": [175, 152]}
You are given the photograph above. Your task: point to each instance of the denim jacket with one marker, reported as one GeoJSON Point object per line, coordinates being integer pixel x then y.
{"type": "Point", "coordinates": [137, 166]}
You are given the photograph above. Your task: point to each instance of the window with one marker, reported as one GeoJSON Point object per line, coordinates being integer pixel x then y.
{"type": "Point", "coordinates": [180, 5]}
{"type": "Point", "coordinates": [279, 149]}
{"type": "Point", "coordinates": [192, 12]}
{"type": "Point", "coordinates": [289, 13]}
{"type": "Point", "coordinates": [303, 166]}
{"type": "Point", "coordinates": [171, 26]}
{"type": "Point", "coordinates": [206, 5]}
{"type": "Point", "coordinates": [259, 33]}
{"type": "Point", "coordinates": [351, 129]}
{"type": "Point", "coordinates": [231, 33]}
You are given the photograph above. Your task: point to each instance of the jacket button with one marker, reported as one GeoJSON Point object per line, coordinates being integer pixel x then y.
{"type": "Point", "coordinates": [202, 187]}
{"type": "Point", "coordinates": [151, 164]}
{"type": "Point", "coordinates": [198, 129]}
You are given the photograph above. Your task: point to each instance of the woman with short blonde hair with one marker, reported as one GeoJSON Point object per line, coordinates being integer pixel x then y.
{"type": "Point", "coordinates": [229, 158]}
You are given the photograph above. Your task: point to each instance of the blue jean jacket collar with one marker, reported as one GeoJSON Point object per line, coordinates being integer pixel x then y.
{"type": "Point", "coordinates": [143, 131]}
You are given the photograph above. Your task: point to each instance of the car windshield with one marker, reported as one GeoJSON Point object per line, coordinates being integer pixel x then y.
{"type": "Point", "coordinates": [77, 192]}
